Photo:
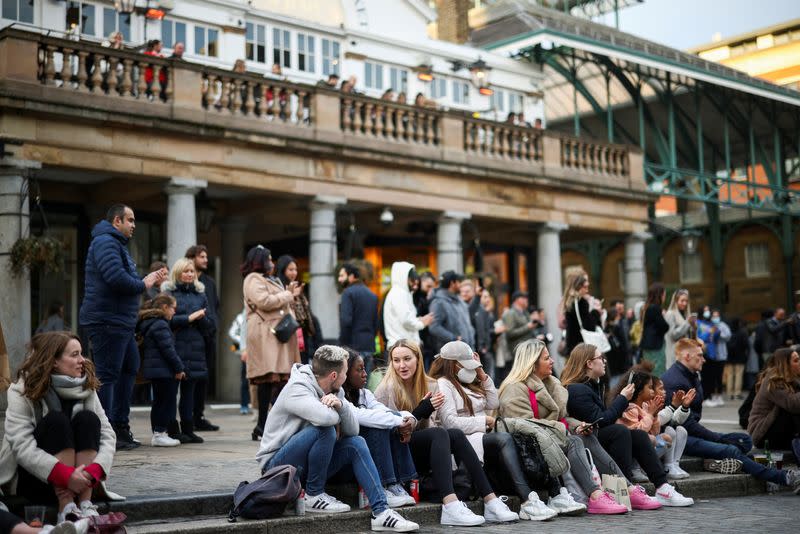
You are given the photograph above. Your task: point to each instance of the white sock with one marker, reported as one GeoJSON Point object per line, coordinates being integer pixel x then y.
{"type": "Point", "coordinates": [452, 504]}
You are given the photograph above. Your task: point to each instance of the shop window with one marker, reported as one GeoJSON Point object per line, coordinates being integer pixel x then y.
{"type": "Point", "coordinates": [460, 92]}
{"type": "Point", "coordinates": [690, 268]}
{"type": "Point", "coordinates": [756, 260]}
{"type": "Point", "coordinates": [438, 88]}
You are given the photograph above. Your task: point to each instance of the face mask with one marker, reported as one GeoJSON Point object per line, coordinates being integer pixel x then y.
{"type": "Point", "coordinates": [467, 376]}
{"type": "Point", "coordinates": [706, 315]}
{"type": "Point", "coordinates": [716, 320]}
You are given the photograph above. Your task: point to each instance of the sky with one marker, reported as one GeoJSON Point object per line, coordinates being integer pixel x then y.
{"type": "Point", "coordinates": [686, 23]}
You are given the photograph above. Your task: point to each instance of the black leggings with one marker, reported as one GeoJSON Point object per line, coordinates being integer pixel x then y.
{"type": "Point", "coordinates": [8, 521]}
{"type": "Point", "coordinates": [431, 449]}
{"type": "Point", "coordinates": [500, 456]}
{"type": "Point", "coordinates": [712, 377]}
{"type": "Point", "coordinates": [53, 434]}
{"type": "Point", "coordinates": [267, 394]}
{"type": "Point", "coordinates": [624, 445]}
{"type": "Point", "coordinates": [785, 428]}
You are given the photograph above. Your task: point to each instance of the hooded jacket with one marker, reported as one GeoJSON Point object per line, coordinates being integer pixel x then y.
{"type": "Point", "coordinates": [400, 319]}
{"type": "Point", "coordinates": [451, 319]}
{"type": "Point", "coordinates": [112, 286]}
{"type": "Point", "coordinates": [299, 406]}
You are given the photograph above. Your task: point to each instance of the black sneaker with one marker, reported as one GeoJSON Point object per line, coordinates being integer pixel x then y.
{"type": "Point", "coordinates": [125, 441]}
{"type": "Point", "coordinates": [204, 425]}
{"type": "Point", "coordinates": [127, 429]}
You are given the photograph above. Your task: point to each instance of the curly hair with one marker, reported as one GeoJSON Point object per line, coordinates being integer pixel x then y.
{"type": "Point", "coordinates": [43, 351]}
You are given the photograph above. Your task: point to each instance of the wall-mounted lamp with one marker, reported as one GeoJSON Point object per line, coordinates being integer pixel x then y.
{"type": "Point", "coordinates": [479, 71]}
{"type": "Point", "coordinates": [126, 7]}
{"type": "Point", "coordinates": [424, 72]}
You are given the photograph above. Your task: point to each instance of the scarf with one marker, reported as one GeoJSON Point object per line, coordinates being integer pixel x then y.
{"type": "Point", "coordinates": [67, 387]}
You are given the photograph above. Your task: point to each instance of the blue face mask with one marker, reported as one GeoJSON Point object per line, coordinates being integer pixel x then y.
{"type": "Point", "coordinates": [716, 320]}
{"type": "Point", "coordinates": [706, 315]}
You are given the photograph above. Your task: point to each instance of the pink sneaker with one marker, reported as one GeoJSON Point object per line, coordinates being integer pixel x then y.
{"type": "Point", "coordinates": [605, 504]}
{"type": "Point", "coordinates": [642, 501]}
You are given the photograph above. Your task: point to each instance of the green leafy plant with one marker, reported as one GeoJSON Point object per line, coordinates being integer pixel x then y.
{"type": "Point", "coordinates": [44, 253]}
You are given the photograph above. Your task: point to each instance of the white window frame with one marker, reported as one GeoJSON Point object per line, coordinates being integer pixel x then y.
{"type": "Point", "coordinates": [174, 33]}
{"type": "Point", "coordinates": [516, 102]}
{"type": "Point", "coordinates": [206, 33]}
{"type": "Point", "coordinates": [398, 80]}
{"type": "Point", "coordinates": [306, 52]}
{"type": "Point", "coordinates": [331, 57]}
{"type": "Point", "coordinates": [751, 256]}
{"type": "Point", "coordinates": [373, 75]}
{"type": "Point", "coordinates": [690, 268]}
{"type": "Point", "coordinates": [282, 46]}
{"type": "Point", "coordinates": [16, 17]}
{"type": "Point", "coordinates": [461, 93]}
{"type": "Point", "coordinates": [437, 88]}
{"type": "Point", "coordinates": [497, 100]}
{"type": "Point", "coordinates": [257, 42]}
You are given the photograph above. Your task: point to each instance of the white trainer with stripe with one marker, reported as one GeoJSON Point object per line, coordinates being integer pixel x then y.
{"type": "Point", "coordinates": [324, 504]}
{"type": "Point", "coordinates": [391, 521]}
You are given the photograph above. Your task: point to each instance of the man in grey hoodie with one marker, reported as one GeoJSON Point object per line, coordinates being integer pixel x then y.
{"type": "Point", "coordinates": [451, 314]}
{"type": "Point", "coordinates": [301, 431]}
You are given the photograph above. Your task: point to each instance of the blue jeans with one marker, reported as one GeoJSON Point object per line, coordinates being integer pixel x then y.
{"type": "Point", "coordinates": [116, 360]}
{"type": "Point", "coordinates": [392, 458]}
{"type": "Point", "coordinates": [318, 455]}
{"type": "Point", "coordinates": [709, 449]}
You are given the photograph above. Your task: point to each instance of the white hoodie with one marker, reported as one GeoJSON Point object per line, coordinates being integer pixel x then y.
{"type": "Point", "coordinates": [400, 319]}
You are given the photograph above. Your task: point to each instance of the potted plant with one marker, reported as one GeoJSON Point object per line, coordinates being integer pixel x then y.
{"type": "Point", "coordinates": [35, 252]}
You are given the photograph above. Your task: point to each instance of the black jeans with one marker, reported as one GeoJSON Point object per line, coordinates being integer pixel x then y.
{"type": "Point", "coordinates": [712, 378]}
{"type": "Point", "coordinates": [431, 449]}
{"type": "Point", "coordinates": [165, 399]}
{"type": "Point", "coordinates": [624, 445]}
{"type": "Point", "coordinates": [785, 428]}
{"type": "Point", "coordinates": [267, 394]}
{"type": "Point", "coordinates": [186, 406]}
{"type": "Point", "coordinates": [53, 434]}
{"type": "Point", "coordinates": [500, 457]}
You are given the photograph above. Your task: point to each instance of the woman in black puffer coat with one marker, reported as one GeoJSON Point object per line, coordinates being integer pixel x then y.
{"type": "Point", "coordinates": [161, 365]}
{"type": "Point", "coordinates": [191, 325]}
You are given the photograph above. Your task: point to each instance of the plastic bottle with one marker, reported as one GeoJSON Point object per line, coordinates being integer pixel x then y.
{"type": "Point", "coordinates": [300, 503]}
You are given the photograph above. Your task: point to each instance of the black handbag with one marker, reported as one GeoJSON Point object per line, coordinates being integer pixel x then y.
{"type": "Point", "coordinates": [532, 461]}
{"type": "Point", "coordinates": [286, 328]}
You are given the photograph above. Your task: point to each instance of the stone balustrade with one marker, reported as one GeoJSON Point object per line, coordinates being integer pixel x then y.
{"type": "Point", "coordinates": [79, 75]}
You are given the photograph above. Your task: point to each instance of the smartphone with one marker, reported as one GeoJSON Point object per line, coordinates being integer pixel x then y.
{"type": "Point", "coordinates": [593, 426]}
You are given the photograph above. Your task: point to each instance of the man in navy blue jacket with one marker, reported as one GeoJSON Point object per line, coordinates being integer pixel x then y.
{"type": "Point", "coordinates": [358, 315]}
{"type": "Point", "coordinates": [108, 314]}
{"type": "Point", "coordinates": [729, 451]}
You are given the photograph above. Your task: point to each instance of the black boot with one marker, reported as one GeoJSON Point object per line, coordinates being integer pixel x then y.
{"type": "Point", "coordinates": [257, 433]}
{"type": "Point", "coordinates": [124, 438]}
{"type": "Point", "coordinates": [187, 427]}
{"type": "Point", "coordinates": [174, 431]}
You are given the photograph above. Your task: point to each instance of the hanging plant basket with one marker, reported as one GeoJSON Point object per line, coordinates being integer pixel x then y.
{"type": "Point", "coordinates": [32, 253]}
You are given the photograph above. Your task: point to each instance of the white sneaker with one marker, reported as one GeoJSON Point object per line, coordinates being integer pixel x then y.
{"type": "Point", "coordinates": [637, 475]}
{"type": "Point", "coordinates": [396, 496]}
{"type": "Point", "coordinates": [324, 504]}
{"type": "Point", "coordinates": [710, 403]}
{"type": "Point", "coordinates": [88, 509]}
{"type": "Point", "coordinates": [497, 511]}
{"type": "Point", "coordinates": [564, 504]}
{"type": "Point", "coordinates": [161, 439]}
{"type": "Point", "coordinates": [68, 527]}
{"type": "Point", "coordinates": [719, 400]}
{"type": "Point", "coordinates": [457, 514]}
{"type": "Point", "coordinates": [71, 512]}
{"type": "Point", "coordinates": [667, 495]}
{"type": "Point", "coordinates": [535, 510]}
{"type": "Point", "coordinates": [391, 521]}
{"type": "Point", "coordinates": [674, 472]}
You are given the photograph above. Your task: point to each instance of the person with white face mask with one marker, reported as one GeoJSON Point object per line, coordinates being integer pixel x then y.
{"type": "Point", "coordinates": [469, 394]}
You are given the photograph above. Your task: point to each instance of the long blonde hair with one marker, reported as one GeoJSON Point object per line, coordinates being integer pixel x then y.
{"type": "Point", "coordinates": [406, 399]}
{"type": "Point", "coordinates": [526, 356]}
{"type": "Point", "coordinates": [575, 370]}
{"type": "Point", "coordinates": [673, 303]}
{"type": "Point", "coordinates": [572, 289]}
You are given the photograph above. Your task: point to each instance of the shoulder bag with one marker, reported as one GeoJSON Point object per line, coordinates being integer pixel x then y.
{"type": "Point", "coordinates": [596, 338]}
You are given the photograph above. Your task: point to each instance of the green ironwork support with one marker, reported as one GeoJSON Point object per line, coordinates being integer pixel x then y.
{"type": "Point", "coordinates": [609, 110]}
{"type": "Point", "coordinates": [726, 138]}
{"type": "Point", "coordinates": [640, 112]}
{"type": "Point", "coordinates": [595, 251]}
{"type": "Point", "coordinates": [576, 118]}
{"type": "Point", "coordinates": [673, 154]}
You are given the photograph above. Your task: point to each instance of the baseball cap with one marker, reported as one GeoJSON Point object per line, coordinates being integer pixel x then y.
{"type": "Point", "coordinates": [460, 352]}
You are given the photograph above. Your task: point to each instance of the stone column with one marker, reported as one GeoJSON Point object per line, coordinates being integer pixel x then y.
{"type": "Point", "coordinates": [15, 313]}
{"type": "Point", "coordinates": [231, 303]}
{"type": "Point", "coordinates": [181, 216]}
{"type": "Point", "coordinates": [448, 242]}
{"type": "Point", "coordinates": [322, 260]}
{"type": "Point", "coordinates": [635, 273]}
{"type": "Point", "coordinates": [549, 284]}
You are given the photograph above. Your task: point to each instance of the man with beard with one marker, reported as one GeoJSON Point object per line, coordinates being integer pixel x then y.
{"type": "Point", "coordinates": [422, 301]}
{"type": "Point", "coordinates": [199, 254]}
{"type": "Point", "coordinates": [358, 315]}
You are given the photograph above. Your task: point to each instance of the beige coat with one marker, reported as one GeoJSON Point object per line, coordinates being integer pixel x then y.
{"type": "Point", "coordinates": [551, 396]}
{"type": "Point", "coordinates": [266, 302]}
{"type": "Point", "coordinates": [20, 448]}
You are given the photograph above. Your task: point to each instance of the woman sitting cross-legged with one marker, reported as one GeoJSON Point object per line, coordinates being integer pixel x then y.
{"type": "Point", "coordinates": [581, 375]}
{"type": "Point", "coordinates": [532, 392]}
{"type": "Point", "coordinates": [406, 387]}
{"type": "Point", "coordinates": [468, 394]}
{"type": "Point", "coordinates": [386, 432]}
{"type": "Point", "coordinates": [58, 443]}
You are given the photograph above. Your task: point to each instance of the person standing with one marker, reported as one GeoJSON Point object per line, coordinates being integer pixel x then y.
{"type": "Point", "coordinates": [109, 312]}
{"type": "Point", "coordinates": [199, 255]}
{"type": "Point", "coordinates": [178, 50]}
{"type": "Point", "coordinates": [654, 327]}
{"type": "Point", "coordinates": [55, 318]}
{"type": "Point", "coordinates": [400, 317]}
{"type": "Point", "coordinates": [577, 300]}
{"type": "Point", "coordinates": [451, 314]}
{"type": "Point", "coordinates": [422, 301]}
{"type": "Point", "coordinates": [269, 361]}
{"type": "Point", "coordinates": [288, 272]}
{"type": "Point", "coordinates": [486, 332]}
{"type": "Point", "coordinates": [519, 325]}
{"type": "Point", "coordinates": [682, 323]}
{"type": "Point", "coordinates": [715, 333]}
{"type": "Point", "coordinates": [738, 352]}
{"type": "Point", "coordinates": [358, 315]}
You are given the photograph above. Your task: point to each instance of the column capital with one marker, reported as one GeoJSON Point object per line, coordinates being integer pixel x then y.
{"type": "Point", "coordinates": [10, 166]}
{"type": "Point", "coordinates": [177, 185]}
{"type": "Point", "coordinates": [638, 237]}
{"type": "Point", "coordinates": [328, 200]}
{"type": "Point", "coordinates": [553, 227]}
{"type": "Point", "coordinates": [455, 215]}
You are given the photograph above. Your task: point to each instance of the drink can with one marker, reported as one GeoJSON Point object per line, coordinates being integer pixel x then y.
{"type": "Point", "coordinates": [363, 501]}
{"type": "Point", "coordinates": [414, 487]}
{"type": "Point", "coordinates": [300, 504]}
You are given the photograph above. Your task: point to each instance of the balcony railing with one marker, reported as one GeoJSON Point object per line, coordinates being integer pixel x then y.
{"type": "Point", "coordinates": [208, 96]}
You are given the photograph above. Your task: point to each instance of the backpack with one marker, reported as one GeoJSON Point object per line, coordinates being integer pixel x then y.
{"type": "Point", "coordinates": [268, 496]}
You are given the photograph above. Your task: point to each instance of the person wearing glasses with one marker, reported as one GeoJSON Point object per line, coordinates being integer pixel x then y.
{"type": "Point", "coordinates": [585, 366]}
